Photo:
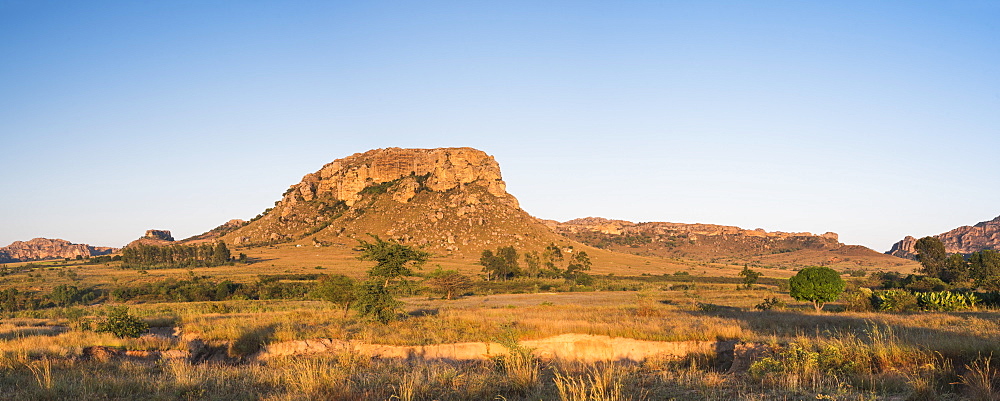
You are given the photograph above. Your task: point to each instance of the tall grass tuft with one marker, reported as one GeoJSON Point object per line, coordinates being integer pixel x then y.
{"type": "Point", "coordinates": [600, 382]}
{"type": "Point", "coordinates": [981, 379]}
{"type": "Point", "coordinates": [42, 370]}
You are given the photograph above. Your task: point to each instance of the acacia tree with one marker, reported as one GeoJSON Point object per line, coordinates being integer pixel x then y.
{"type": "Point", "coordinates": [393, 261]}
{"type": "Point", "coordinates": [818, 285]}
{"type": "Point", "coordinates": [578, 264]}
{"type": "Point", "coordinates": [448, 281]}
{"type": "Point", "coordinates": [749, 276]}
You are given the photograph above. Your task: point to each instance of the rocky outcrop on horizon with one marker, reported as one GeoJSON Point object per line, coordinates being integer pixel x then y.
{"type": "Point", "coordinates": [727, 244]}
{"type": "Point", "coordinates": [45, 248]}
{"type": "Point", "coordinates": [619, 227]}
{"type": "Point", "coordinates": [964, 239]}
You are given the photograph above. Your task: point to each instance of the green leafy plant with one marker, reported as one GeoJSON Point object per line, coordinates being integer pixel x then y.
{"type": "Point", "coordinates": [946, 300]}
{"type": "Point", "coordinates": [120, 323]}
{"type": "Point", "coordinates": [894, 300]}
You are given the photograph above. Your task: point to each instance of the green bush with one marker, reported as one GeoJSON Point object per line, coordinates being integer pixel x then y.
{"type": "Point", "coordinates": [120, 323]}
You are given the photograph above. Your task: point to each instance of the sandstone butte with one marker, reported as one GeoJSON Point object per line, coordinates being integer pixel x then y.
{"type": "Point", "coordinates": [446, 199]}
{"type": "Point", "coordinates": [965, 239]}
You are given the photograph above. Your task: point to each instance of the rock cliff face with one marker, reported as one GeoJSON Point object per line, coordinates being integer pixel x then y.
{"type": "Point", "coordinates": [447, 199]}
{"type": "Point", "coordinates": [44, 248]}
{"type": "Point", "coordinates": [437, 169]}
{"type": "Point", "coordinates": [965, 239]}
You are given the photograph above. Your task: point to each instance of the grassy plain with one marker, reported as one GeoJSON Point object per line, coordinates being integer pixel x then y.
{"type": "Point", "coordinates": [842, 355]}
{"type": "Point", "coordinates": [791, 353]}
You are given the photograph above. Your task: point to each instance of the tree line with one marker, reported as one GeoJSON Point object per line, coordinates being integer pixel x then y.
{"type": "Point", "coordinates": [503, 264]}
{"type": "Point", "coordinates": [142, 256]}
{"type": "Point", "coordinates": [976, 270]}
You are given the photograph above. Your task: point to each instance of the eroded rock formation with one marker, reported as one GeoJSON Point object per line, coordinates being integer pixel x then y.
{"type": "Point", "coordinates": [45, 248]}
{"type": "Point", "coordinates": [965, 239]}
{"type": "Point", "coordinates": [438, 169]}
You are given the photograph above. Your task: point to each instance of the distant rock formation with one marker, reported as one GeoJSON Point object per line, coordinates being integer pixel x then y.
{"type": "Point", "coordinates": [965, 239]}
{"type": "Point", "coordinates": [154, 237]}
{"type": "Point", "coordinates": [44, 248]}
{"type": "Point", "coordinates": [727, 244]}
{"type": "Point", "coordinates": [618, 227]}
{"type": "Point", "coordinates": [162, 235]}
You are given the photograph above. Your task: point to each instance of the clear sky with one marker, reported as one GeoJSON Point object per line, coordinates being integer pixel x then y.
{"type": "Point", "coordinates": [872, 119]}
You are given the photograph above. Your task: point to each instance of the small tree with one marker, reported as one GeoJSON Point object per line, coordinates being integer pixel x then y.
{"type": "Point", "coordinates": [749, 277]}
{"type": "Point", "coordinates": [932, 256]}
{"type": "Point", "coordinates": [122, 324]}
{"type": "Point", "coordinates": [818, 285]}
{"type": "Point", "coordinates": [336, 288]}
{"type": "Point", "coordinates": [220, 254]}
{"type": "Point", "coordinates": [578, 264]}
{"type": "Point", "coordinates": [448, 281]}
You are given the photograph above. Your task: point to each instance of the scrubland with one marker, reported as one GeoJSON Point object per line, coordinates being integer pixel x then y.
{"type": "Point", "coordinates": [787, 354]}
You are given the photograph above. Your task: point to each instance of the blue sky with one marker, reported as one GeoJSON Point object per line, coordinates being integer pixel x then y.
{"type": "Point", "coordinates": [874, 120]}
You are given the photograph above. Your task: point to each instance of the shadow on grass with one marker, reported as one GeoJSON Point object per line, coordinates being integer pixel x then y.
{"type": "Point", "coordinates": [250, 341]}
{"type": "Point", "coordinates": [787, 324]}
{"type": "Point", "coordinates": [21, 332]}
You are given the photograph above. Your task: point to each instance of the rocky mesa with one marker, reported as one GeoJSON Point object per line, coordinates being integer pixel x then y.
{"type": "Point", "coordinates": [964, 239]}
{"type": "Point", "coordinates": [45, 248]}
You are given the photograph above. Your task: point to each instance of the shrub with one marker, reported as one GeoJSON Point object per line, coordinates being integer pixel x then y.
{"type": "Point", "coordinates": [894, 300]}
{"type": "Point", "coordinates": [927, 284]}
{"type": "Point", "coordinates": [120, 323]}
{"type": "Point", "coordinates": [770, 303]}
{"type": "Point", "coordinates": [859, 300]}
